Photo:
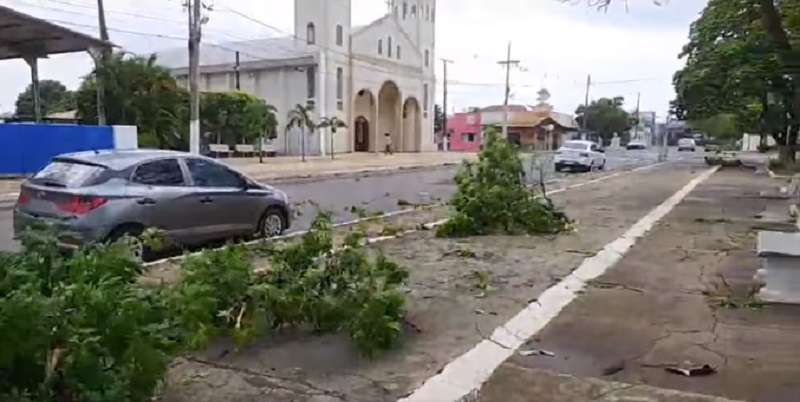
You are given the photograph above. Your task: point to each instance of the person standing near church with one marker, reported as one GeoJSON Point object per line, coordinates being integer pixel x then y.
{"type": "Point", "coordinates": [388, 142]}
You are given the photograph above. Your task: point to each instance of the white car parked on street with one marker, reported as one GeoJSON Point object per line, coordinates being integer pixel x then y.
{"type": "Point", "coordinates": [580, 155]}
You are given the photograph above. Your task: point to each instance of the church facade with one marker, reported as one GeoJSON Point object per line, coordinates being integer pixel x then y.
{"type": "Point", "coordinates": [377, 78]}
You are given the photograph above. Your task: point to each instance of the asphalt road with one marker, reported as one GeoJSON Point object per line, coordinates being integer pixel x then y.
{"type": "Point", "coordinates": [378, 192]}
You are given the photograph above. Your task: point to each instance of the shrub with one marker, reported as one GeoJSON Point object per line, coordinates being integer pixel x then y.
{"type": "Point", "coordinates": [83, 329]}
{"type": "Point", "coordinates": [80, 329]}
{"type": "Point", "coordinates": [308, 282]}
{"type": "Point", "coordinates": [492, 197]}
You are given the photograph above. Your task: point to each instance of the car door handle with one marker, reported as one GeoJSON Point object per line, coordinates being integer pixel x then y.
{"type": "Point", "coordinates": [206, 200]}
{"type": "Point", "coordinates": [146, 201]}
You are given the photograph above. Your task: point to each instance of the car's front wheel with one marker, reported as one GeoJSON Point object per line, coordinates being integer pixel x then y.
{"type": "Point", "coordinates": [272, 223]}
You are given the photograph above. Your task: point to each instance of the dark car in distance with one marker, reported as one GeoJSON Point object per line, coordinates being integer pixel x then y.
{"type": "Point", "coordinates": [100, 196]}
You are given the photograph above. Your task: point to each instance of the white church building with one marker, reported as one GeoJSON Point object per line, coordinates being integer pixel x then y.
{"type": "Point", "coordinates": [378, 78]}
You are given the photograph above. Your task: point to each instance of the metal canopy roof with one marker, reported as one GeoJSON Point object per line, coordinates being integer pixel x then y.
{"type": "Point", "coordinates": [22, 35]}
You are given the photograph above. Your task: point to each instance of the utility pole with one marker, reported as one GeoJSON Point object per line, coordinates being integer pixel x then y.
{"type": "Point", "coordinates": [662, 151]}
{"type": "Point", "coordinates": [445, 62]}
{"type": "Point", "coordinates": [100, 64]}
{"type": "Point", "coordinates": [636, 116]}
{"type": "Point", "coordinates": [585, 119]}
{"type": "Point", "coordinates": [507, 63]}
{"type": "Point", "coordinates": [195, 24]}
{"type": "Point", "coordinates": [236, 71]}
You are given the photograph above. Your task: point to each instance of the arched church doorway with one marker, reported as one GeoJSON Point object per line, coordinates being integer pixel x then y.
{"type": "Point", "coordinates": [389, 104]}
{"type": "Point", "coordinates": [412, 125]}
{"type": "Point", "coordinates": [364, 124]}
{"type": "Point", "coordinates": [361, 135]}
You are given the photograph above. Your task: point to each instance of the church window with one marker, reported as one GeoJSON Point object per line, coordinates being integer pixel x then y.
{"type": "Point", "coordinates": [311, 34]}
{"type": "Point", "coordinates": [427, 58]}
{"type": "Point", "coordinates": [427, 12]}
{"type": "Point", "coordinates": [398, 52]}
{"type": "Point", "coordinates": [425, 100]}
{"type": "Point", "coordinates": [311, 82]}
{"type": "Point", "coordinates": [380, 46]}
{"type": "Point", "coordinates": [339, 88]}
{"type": "Point", "coordinates": [339, 35]}
{"type": "Point", "coordinates": [433, 14]}
{"type": "Point", "coordinates": [413, 11]}
{"type": "Point", "coordinates": [405, 10]}
{"type": "Point", "coordinates": [389, 47]}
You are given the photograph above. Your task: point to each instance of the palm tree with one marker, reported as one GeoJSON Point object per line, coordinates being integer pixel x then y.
{"type": "Point", "coordinates": [334, 124]}
{"type": "Point", "coordinates": [300, 117]}
{"type": "Point", "coordinates": [271, 132]}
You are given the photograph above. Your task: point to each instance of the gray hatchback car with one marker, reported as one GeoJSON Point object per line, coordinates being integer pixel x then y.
{"type": "Point", "coordinates": [99, 196]}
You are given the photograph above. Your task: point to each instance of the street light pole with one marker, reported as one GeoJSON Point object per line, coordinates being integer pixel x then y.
{"type": "Point", "coordinates": [195, 24]}
{"type": "Point", "coordinates": [507, 63]}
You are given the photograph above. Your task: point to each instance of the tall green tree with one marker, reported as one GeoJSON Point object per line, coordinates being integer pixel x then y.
{"type": "Point", "coordinates": [732, 70]}
{"type": "Point", "coordinates": [139, 92]}
{"type": "Point", "coordinates": [300, 118]}
{"type": "Point", "coordinates": [767, 32]}
{"type": "Point", "coordinates": [53, 97]}
{"type": "Point", "coordinates": [605, 117]}
{"type": "Point", "coordinates": [722, 127]}
{"type": "Point", "coordinates": [438, 119]}
{"type": "Point", "coordinates": [334, 124]}
{"type": "Point", "coordinates": [234, 117]}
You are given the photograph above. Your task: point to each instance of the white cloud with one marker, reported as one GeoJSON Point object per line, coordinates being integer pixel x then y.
{"type": "Point", "coordinates": [557, 44]}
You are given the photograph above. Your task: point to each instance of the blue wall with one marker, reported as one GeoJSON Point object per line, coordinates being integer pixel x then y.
{"type": "Point", "coordinates": [26, 148]}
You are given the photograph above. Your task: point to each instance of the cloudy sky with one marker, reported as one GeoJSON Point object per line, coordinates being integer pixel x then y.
{"type": "Point", "coordinates": [627, 51]}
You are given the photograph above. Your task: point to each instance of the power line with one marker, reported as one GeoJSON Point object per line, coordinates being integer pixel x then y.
{"type": "Point", "coordinates": [240, 38]}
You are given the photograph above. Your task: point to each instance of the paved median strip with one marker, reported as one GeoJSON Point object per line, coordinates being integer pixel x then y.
{"type": "Point", "coordinates": [462, 379]}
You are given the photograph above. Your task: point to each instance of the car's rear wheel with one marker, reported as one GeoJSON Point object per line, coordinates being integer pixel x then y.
{"type": "Point", "coordinates": [133, 234]}
{"type": "Point", "coordinates": [272, 223]}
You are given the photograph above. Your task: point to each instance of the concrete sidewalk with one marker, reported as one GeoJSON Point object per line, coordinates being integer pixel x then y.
{"type": "Point", "coordinates": [681, 297]}
{"type": "Point", "coordinates": [291, 167]}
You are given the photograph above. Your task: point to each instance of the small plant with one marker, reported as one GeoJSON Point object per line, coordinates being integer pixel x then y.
{"type": "Point", "coordinates": [481, 280]}
{"type": "Point", "coordinates": [492, 197]}
{"type": "Point", "coordinates": [725, 296]}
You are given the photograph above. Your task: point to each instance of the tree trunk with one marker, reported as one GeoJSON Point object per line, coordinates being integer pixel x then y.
{"type": "Point", "coordinates": [332, 133]}
{"type": "Point", "coordinates": [773, 25]}
{"type": "Point", "coordinates": [303, 145]}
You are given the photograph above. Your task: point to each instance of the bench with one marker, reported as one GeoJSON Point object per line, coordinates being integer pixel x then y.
{"type": "Point", "coordinates": [219, 150]}
{"type": "Point", "coordinates": [268, 149]}
{"type": "Point", "coordinates": [780, 260]}
{"type": "Point", "coordinates": [244, 149]}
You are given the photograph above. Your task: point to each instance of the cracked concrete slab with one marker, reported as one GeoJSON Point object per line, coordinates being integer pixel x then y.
{"type": "Point", "coordinates": [682, 296]}
{"type": "Point", "coordinates": [447, 312]}
{"type": "Point", "coordinates": [546, 386]}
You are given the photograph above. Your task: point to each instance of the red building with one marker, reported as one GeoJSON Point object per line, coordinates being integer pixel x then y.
{"type": "Point", "coordinates": [526, 127]}
{"type": "Point", "coordinates": [465, 131]}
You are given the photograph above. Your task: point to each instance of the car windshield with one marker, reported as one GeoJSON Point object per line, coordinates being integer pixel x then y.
{"type": "Point", "coordinates": [67, 174]}
{"type": "Point", "coordinates": [575, 145]}
{"type": "Point", "coordinates": [686, 141]}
